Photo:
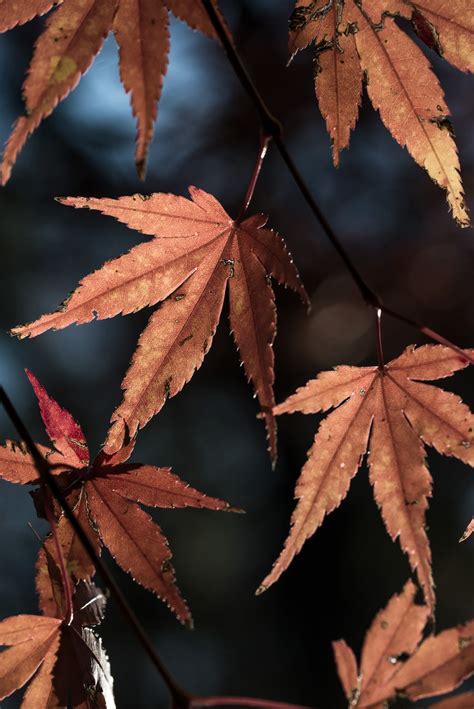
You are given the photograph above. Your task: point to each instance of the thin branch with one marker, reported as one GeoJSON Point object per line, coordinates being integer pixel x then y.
{"type": "Point", "coordinates": [271, 126]}
{"type": "Point", "coordinates": [242, 702]}
{"type": "Point", "coordinates": [366, 292]}
{"type": "Point", "coordinates": [180, 697]}
{"type": "Point", "coordinates": [432, 334]}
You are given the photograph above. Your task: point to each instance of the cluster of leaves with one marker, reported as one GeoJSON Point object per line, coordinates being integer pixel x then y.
{"type": "Point", "coordinates": [106, 495]}
{"type": "Point", "coordinates": [359, 40]}
{"type": "Point", "coordinates": [198, 252]}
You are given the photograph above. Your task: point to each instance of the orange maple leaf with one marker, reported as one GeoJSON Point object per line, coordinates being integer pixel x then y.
{"type": "Point", "coordinates": [359, 38]}
{"type": "Point", "coordinates": [435, 666]}
{"type": "Point", "coordinates": [74, 35]}
{"type": "Point", "coordinates": [106, 495]}
{"type": "Point", "coordinates": [398, 415]}
{"type": "Point", "coordinates": [197, 251]}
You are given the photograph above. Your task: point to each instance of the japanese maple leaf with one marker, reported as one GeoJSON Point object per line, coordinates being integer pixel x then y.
{"type": "Point", "coordinates": [106, 495]}
{"type": "Point", "coordinates": [394, 415]}
{"type": "Point", "coordinates": [197, 251]}
{"type": "Point", "coordinates": [73, 36]}
{"type": "Point", "coordinates": [435, 666]}
{"type": "Point", "coordinates": [66, 662]}
{"type": "Point", "coordinates": [357, 39]}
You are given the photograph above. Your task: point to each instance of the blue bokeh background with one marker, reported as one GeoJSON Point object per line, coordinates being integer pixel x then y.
{"type": "Point", "coordinates": [395, 224]}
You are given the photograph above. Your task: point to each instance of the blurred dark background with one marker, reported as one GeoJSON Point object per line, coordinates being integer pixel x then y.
{"type": "Point", "coordinates": [395, 224]}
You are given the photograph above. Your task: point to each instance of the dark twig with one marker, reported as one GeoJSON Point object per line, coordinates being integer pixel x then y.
{"type": "Point", "coordinates": [242, 702]}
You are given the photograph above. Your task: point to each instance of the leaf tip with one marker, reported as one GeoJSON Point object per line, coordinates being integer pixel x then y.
{"type": "Point", "coordinates": [141, 169]}
{"type": "Point", "coordinates": [236, 510]}
{"type": "Point", "coordinates": [188, 622]}
{"type": "Point", "coordinates": [4, 174]}
{"type": "Point", "coordinates": [261, 589]}
{"type": "Point", "coordinates": [469, 530]}
{"type": "Point", "coordinates": [32, 379]}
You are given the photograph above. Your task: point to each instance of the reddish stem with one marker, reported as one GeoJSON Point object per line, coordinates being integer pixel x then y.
{"type": "Point", "coordinates": [429, 333]}
{"type": "Point", "coordinates": [242, 702]}
{"type": "Point", "coordinates": [378, 338]}
{"type": "Point", "coordinates": [66, 581]}
{"type": "Point", "coordinates": [262, 151]}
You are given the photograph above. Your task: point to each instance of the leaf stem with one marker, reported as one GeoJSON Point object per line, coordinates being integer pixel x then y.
{"type": "Point", "coordinates": [179, 696]}
{"type": "Point", "coordinates": [378, 329]}
{"type": "Point", "coordinates": [242, 702]}
{"type": "Point", "coordinates": [265, 139]}
{"type": "Point", "coordinates": [272, 127]}
{"type": "Point", "coordinates": [65, 578]}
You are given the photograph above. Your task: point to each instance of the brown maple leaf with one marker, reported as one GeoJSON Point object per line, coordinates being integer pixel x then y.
{"type": "Point", "coordinates": [106, 495]}
{"type": "Point", "coordinates": [359, 38]}
{"type": "Point", "coordinates": [197, 251]}
{"type": "Point", "coordinates": [73, 36]}
{"type": "Point", "coordinates": [435, 666]}
{"type": "Point", "coordinates": [65, 662]}
{"type": "Point", "coordinates": [398, 415]}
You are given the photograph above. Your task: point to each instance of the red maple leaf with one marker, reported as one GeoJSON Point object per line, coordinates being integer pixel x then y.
{"type": "Point", "coordinates": [106, 495]}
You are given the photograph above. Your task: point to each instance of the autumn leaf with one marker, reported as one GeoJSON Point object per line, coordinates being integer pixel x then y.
{"type": "Point", "coordinates": [65, 664]}
{"type": "Point", "coordinates": [74, 35]}
{"type": "Point", "coordinates": [359, 38]}
{"type": "Point", "coordinates": [395, 415]}
{"type": "Point", "coordinates": [433, 667]}
{"type": "Point", "coordinates": [106, 497]}
{"type": "Point", "coordinates": [197, 251]}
